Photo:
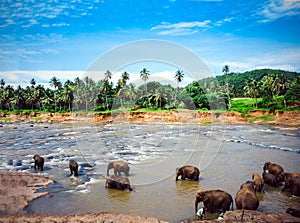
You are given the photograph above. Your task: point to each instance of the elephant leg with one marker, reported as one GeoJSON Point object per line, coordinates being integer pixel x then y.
{"type": "Point", "coordinates": [183, 176]}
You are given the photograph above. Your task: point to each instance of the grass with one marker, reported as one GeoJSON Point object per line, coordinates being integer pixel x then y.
{"type": "Point", "coordinates": [5, 119]}
{"type": "Point", "coordinates": [36, 119]}
{"type": "Point", "coordinates": [263, 118]}
{"type": "Point", "coordinates": [207, 123]}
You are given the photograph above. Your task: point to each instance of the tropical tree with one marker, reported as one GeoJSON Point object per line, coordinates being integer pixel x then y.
{"type": "Point", "coordinates": [55, 82]}
{"type": "Point", "coordinates": [7, 97]}
{"type": "Point", "coordinates": [2, 83]}
{"type": "Point", "coordinates": [144, 74]}
{"type": "Point", "coordinates": [252, 89]}
{"type": "Point", "coordinates": [108, 75]}
{"type": "Point", "coordinates": [225, 70]}
{"type": "Point", "coordinates": [179, 76]}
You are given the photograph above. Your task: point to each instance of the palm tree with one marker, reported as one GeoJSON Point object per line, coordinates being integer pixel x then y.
{"type": "Point", "coordinates": [144, 74]}
{"type": "Point", "coordinates": [125, 78]}
{"type": "Point", "coordinates": [225, 70]}
{"type": "Point", "coordinates": [179, 76]}
{"type": "Point", "coordinates": [55, 82]}
{"type": "Point", "coordinates": [2, 83]}
{"type": "Point", "coordinates": [108, 75]}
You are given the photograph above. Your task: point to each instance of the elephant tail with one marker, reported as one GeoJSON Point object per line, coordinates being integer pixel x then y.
{"type": "Point", "coordinates": [242, 214]}
{"type": "Point", "coordinates": [231, 205]}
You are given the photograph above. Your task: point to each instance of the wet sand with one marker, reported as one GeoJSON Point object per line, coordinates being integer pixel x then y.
{"type": "Point", "coordinates": [18, 189]}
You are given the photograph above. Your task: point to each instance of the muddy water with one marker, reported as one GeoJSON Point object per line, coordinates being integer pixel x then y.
{"type": "Point", "coordinates": [226, 155]}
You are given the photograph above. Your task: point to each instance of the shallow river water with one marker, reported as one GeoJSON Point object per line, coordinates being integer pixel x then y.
{"type": "Point", "coordinates": [226, 155]}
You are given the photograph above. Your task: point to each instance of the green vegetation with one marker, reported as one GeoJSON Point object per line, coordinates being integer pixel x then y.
{"type": "Point", "coordinates": [263, 89]}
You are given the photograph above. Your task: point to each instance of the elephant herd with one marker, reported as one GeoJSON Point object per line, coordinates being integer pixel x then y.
{"type": "Point", "coordinates": [115, 181]}
{"type": "Point", "coordinates": [214, 201]}
{"type": "Point", "coordinates": [246, 198]}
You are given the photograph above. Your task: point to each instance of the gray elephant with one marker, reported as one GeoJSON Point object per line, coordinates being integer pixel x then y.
{"type": "Point", "coordinates": [118, 182]}
{"type": "Point", "coordinates": [189, 172]}
{"type": "Point", "coordinates": [118, 166]}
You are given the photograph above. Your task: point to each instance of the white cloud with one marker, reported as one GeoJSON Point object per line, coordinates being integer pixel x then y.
{"type": "Point", "coordinates": [24, 14]}
{"type": "Point", "coordinates": [275, 9]}
{"type": "Point", "coordinates": [181, 28]}
{"type": "Point", "coordinates": [223, 21]}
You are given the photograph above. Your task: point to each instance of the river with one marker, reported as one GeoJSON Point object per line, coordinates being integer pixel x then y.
{"type": "Point", "coordinates": [226, 155]}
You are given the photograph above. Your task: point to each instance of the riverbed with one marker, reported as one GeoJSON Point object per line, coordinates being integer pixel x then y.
{"type": "Point", "coordinates": [226, 155]}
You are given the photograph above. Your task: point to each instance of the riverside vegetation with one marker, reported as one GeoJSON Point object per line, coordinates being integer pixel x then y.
{"type": "Point", "coordinates": [264, 89]}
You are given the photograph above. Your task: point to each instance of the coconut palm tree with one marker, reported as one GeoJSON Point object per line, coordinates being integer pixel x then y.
{"type": "Point", "coordinates": [144, 74]}
{"type": "Point", "coordinates": [225, 70]}
{"type": "Point", "coordinates": [179, 76]}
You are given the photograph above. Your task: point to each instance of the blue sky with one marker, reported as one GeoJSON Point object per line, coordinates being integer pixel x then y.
{"type": "Point", "coordinates": [42, 39]}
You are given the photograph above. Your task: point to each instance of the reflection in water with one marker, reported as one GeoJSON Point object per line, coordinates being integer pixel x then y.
{"type": "Point", "coordinates": [186, 187]}
{"type": "Point", "coordinates": [226, 156]}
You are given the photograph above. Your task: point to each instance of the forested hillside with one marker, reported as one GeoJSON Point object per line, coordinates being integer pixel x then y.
{"type": "Point", "coordinates": [238, 81]}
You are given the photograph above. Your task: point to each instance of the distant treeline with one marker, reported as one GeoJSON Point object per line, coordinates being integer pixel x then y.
{"type": "Point", "coordinates": [210, 93]}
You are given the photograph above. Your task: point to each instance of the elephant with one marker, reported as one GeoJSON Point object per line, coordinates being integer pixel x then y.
{"type": "Point", "coordinates": [118, 182]}
{"type": "Point", "coordinates": [38, 162]}
{"type": "Point", "coordinates": [294, 212]}
{"type": "Point", "coordinates": [246, 197]}
{"type": "Point", "coordinates": [258, 181]}
{"type": "Point", "coordinates": [292, 181]}
{"type": "Point", "coordinates": [214, 200]}
{"type": "Point", "coordinates": [273, 168]}
{"type": "Point", "coordinates": [118, 166]}
{"type": "Point", "coordinates": [270, 179]}
{"type": "Point", "coordinates": [73, 165]}
{"type": "Point", "coordinates": [189, 172]}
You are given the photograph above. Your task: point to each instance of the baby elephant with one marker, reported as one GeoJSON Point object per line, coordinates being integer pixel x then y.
{"type": "Point", "coordinates": [189, 172]}
{"type": "Point", "coordinates": [38, 162]}
{"type": "Point", "coordinates": [258, 181]}
{"type": "Point", "coordinates": [118, 182]}
{"type": "Point", "coordinates": [73, 167]}
{"type": "Point", "coordinates": [118, 166]}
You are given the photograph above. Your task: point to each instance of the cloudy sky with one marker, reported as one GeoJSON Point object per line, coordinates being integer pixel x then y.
{"type": "Point", "coordinates": [46, 38]}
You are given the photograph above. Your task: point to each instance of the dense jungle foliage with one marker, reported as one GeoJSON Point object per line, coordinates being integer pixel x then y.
{"type": "Point", "coordinates": [267, 88]}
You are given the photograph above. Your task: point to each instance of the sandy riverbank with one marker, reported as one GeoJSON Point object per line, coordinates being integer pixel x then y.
{"type": "Point", "coordinates": [287, 118]}
{"type": "Point", "coordinates": [17, 189]}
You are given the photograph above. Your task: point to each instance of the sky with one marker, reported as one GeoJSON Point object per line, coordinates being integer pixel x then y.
{"type": "Point", "coordinates": [46, 38]}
